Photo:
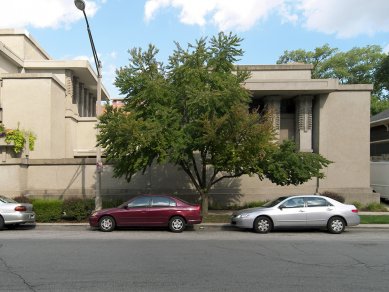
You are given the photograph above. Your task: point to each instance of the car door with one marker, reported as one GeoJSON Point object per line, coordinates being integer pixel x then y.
{"type": "Point", "coordinates": [291, 213]}
{"type": "Point", "coordinates": [162, 208]}
{"type": "Point", "coordinates": [136, 212]}
{"type": "Point", "coordinates": [319, 210]}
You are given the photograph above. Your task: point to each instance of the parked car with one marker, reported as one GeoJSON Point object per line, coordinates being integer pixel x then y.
{"type": "Point", "coordinates": [13, 213]}
{"type": "Point", "coordinates": [148, 210]}
{"type": "Point", "coordinates": [298, 211]}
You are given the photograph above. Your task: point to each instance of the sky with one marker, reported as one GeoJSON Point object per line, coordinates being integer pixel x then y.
{"type": "Point", "coordinates": [268, 27]}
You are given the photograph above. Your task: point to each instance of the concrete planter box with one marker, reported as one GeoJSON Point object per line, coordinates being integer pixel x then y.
{"type": "Point", "coordinates": [3, 143]}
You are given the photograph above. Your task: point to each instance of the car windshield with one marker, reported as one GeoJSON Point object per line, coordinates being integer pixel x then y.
{"type": "Point", "coordinates": [6, 200]}
{"type": "Point", "coordinates": [275, 202]}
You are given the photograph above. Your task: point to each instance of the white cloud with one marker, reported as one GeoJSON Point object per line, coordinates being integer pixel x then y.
{"type": "Point", "coordinates": [343, 18]}
{"type": "Point", "coordinates": [225, 14]}
{"type": "Point", "coordinates": [42, 13]}
{"type": "Point", "coordinates": [346, 18]}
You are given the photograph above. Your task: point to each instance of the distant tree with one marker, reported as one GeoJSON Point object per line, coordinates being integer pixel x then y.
{"type": "Point", "coordinates": [366, 65]}
{"type": "Point", "coordinates": [194, 113]}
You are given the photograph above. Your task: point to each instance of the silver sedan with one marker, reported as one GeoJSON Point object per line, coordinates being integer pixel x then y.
{"type": "Point", "coordinates": [13, 213]}
{"type": "Point", "coordinates": [298, 211]}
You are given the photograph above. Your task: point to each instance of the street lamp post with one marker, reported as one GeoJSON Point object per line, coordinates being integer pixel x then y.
{"type": "Point", "coordinates": [80, 4]}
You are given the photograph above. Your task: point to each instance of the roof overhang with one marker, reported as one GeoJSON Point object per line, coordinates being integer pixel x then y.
{"type": "Point", "coordinates": [81, 68]}
{"type": "Point", "coordinates": [11, 56]}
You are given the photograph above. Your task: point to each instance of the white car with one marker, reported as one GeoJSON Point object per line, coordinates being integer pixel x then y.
{"type": "Point", "coordinates": [13, 213]}
{"type": "Point", "coordinates": [298, 211]}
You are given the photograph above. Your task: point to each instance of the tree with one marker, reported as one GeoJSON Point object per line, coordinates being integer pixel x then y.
{"type": "Point", "coordinates": [194, 113]}
{"type": "Point", "coordinates": [364, 65]}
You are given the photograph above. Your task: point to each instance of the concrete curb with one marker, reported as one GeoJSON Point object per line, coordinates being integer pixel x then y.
{"type": "Point", "coordinates": [204, 226]}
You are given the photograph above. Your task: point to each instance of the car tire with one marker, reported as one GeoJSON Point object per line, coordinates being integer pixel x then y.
{"type": "Point", "coordinates": [336, 225]}
{"type": "Point", "coordinates": [263, 224]}
{"type": "Point", "coordinates": [1, 223]}
{"type": "Point", "coordinates": [107, 224]}
{"type": "Point", "coordinates": [177, 224]}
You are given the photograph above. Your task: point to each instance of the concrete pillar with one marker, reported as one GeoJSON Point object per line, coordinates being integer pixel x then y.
{"type": "Point", "coordinates": [75, 90]}
{"type": "Point", "coordinates": [304, 123]}
{"type": "Point", "coordinates": [81, 100]}
{"type": "Point", "coordinates": [273, 104]}
{"type": "Point", "coordinates": [91, 105]}
{"type": "Point", "coordinates": [86, 103]}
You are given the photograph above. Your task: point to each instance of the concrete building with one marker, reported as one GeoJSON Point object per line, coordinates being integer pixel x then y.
{"type": "Point", "coordinates": [55, 100]}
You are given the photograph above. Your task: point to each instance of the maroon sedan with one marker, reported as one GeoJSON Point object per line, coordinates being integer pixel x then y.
{"type": "Point", "coordinates": [148, 210]}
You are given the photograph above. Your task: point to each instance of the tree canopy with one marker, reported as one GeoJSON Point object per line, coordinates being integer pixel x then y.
{"type": "Point", "coordinates": [366, 65]}
{"type": "Point", "coordinates": [194, 113]}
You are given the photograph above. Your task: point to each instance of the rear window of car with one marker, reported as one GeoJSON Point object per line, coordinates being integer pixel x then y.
{"type": "Point", "coordinates": [317, 202]}
{"type": "Point", "coordinates": [6, 200]}
{"type": "Point", "coordinates": [163, 202]}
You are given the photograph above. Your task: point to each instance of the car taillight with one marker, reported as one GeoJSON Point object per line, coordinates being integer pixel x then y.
{"type": "Point", "coordinates": [21, 208]}
{"type": "Point", "coordinates": [354, 210]}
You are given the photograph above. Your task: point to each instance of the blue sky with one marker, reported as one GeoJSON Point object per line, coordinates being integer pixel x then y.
{"type": "Point", "coordinates": [268, 27]}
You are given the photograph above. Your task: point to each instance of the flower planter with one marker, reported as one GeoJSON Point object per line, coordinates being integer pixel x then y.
{"type": "Point", "coordinates": [3, 143]}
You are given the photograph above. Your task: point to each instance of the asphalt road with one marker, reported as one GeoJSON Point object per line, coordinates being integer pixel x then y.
{"type": "Point", "coordinates": [79, 259]}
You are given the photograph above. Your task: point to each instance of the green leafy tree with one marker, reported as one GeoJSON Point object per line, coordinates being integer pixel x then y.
{"type": "Point", "coordinates": [193, 113]}
{"type": "Point", "coordinates": [366, 65]}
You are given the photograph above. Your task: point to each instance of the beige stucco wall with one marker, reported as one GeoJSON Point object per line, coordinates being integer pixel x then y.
{"type": "Point", "coordinates": [25, 47]}
{"type": "Point", "coordinates": [6, 66]}
{"type": "Point", "coordinates": [344, 138]}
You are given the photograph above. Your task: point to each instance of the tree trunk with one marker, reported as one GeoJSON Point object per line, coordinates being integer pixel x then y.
{"type": "Point", "coordinates": [204, 204]}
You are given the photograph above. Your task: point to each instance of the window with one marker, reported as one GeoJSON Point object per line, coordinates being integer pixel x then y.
{"type": "Point", "coordinates": [294, 203]}
{"type": "Point", "coordinates": [317, 202]}
{"type": "Point", "coordinates": [139, 202]}
{"type": "Point", "coordinates": [162, 202]}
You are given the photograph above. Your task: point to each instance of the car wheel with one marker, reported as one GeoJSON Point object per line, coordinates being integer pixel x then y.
{"type": "Point", "coordinates": [263, 225]}
{"type": "Point", "coordinates": [336, 225]}
{"type": "Point", "coordinates": [107, 223]}
{"type": "Point", "coordinates": [177, 224]}
{"type": "Point", "coordinates": [1, 223]}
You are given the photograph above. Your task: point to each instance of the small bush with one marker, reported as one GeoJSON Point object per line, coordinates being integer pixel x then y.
{"type": "Point", "coordinates": [47, 210]}
{"type": "Point", "coordinates": [112, 203]}
{"type": "Point", "coordinates": [374, 207]}
{"type": "Point", "coordinates": [22, 199]}
{"type": "Point", "coordinates": [334, 196]}
{"type": "Point", "coordinates": [358, 205]}
{"type": "Point", "coordinates": [77, 208]}
{"type": "Point", "coordinates": [253, 204]}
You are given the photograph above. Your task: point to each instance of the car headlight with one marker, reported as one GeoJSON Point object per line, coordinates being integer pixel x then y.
{"type": "Point", "coordinates": [243, 215]}
{"type": "Point", "coordinates": [94, 214]}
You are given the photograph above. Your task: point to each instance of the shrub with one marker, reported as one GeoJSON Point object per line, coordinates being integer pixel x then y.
{"type": "Point", "coordinates": [22, 199]}
{"type": "Point", "coordinates": [374, 207]}
{"type": "Point", "coordinates": [253, 204]}
{"type": "Point", "coordinates": [334, 196]}
{"type": "Point", "coordinates": [77, 208]}
{"type": "Point", "coordinates": [112, 203]}
{"type": "Point", "coordinates": [47, 210]}
{"type": "Point", "coordinates": [358, 205]}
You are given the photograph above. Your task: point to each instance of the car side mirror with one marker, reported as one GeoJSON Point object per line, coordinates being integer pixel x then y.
{"type": "Point", "coordinates": [281, 207]}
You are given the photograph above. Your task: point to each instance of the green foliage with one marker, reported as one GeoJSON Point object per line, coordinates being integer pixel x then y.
{"type": "Point", "coordinates": [334, 196]}
{"type": "Point", "coordinates": [2, 130]}
{"type": "Point", "coordinates": [22, 199]}
{"type": "Point", "coordinates": [77, 208]}
{"type": "Point", "coordinates": [358, 205]}
{"type": "Point", "coordinates": [287, 166]}
{"type": "Point", "coordinates": [366, 65]}
{"type": "Point", "coordinates": [112, 203]}
{"type": "Point", "coordinates": [374, 207]}
{"type": "Point", "coordinates": [192, 113]}
{"type": "Point", "coordinates": [47, 210]}
{"type": "Point", "coordinates": [18, 137]}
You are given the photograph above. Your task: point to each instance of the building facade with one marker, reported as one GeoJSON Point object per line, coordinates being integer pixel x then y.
{"type": "Point", "coordinates": [56, 101]}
